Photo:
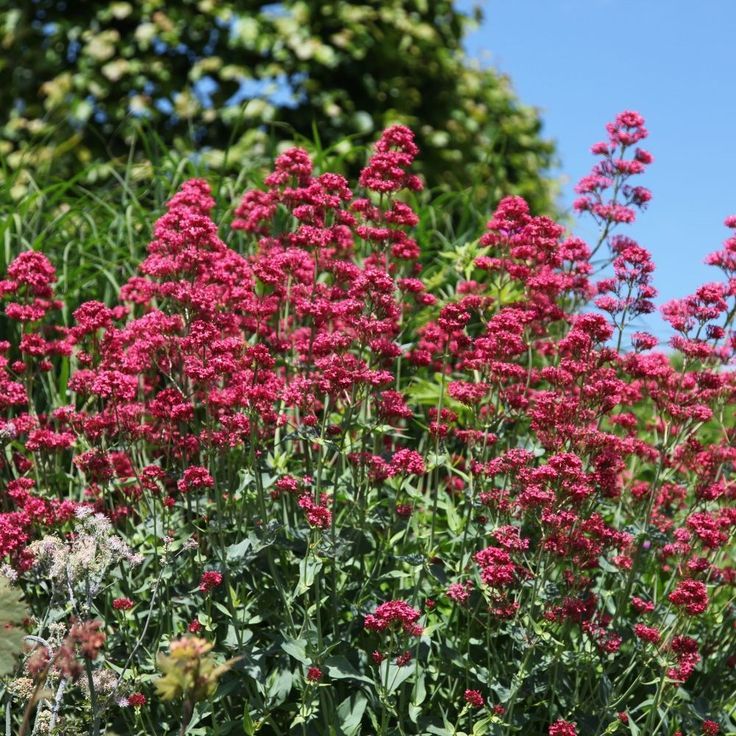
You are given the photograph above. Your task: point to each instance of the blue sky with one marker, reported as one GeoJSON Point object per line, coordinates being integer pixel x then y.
{"type": "Point", "coordinates": [582, 61]}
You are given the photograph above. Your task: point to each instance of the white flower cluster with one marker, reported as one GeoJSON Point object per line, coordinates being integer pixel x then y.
{"type": "Point", "coordinates": [78, 566]}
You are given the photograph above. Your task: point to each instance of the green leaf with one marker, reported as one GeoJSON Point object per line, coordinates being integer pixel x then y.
{"type": "Point", "coordinates": [308, 569]}
{"type": "Point", "coordinates": [236, 551]}
{"type": "Point", "coordinates": [223, 609]}
{"type": "Point", "coordinates": [606, 566]}
{"type": "Point", "coordinates": [414, 712]}
{"type": "Point", "coordinates": [279, 686]}
{"type": "Point", "coordinates": [296, 648]}
{"type": "Point", "coordinates": [350, 712]}
{"type": "Point", "coordinates": [438, 731]}
{"type": "Point", "coordinates": [339, 668]}
{"type": "Point", "coordinates": [249, 728]}
{"type": "Point", "coordinates": [396, 675]}
{"type": "Point", "coordinates": [12, 608]}
{"type": "Point", "coordinates": [12, 611]}
{"type": "Point", "coordinates": [420, 691]}
{"type": "Point", "coordinates": [10, 647]}
{"type": "Point", "coordinates": [482, 726]}
{"type": "Point", "coordinates": [454, 520]}
{"type": "Point", "coordinates": [246, 549]}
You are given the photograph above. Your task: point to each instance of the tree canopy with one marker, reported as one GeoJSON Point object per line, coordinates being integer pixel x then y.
{"type": "Point", "coordinates": [78, 78]}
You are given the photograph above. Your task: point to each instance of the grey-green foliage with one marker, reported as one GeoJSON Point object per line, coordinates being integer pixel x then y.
{"type": "Point", "coordinates": [12, 613]}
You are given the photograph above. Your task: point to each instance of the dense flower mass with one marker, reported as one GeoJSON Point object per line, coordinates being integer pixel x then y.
{"type": "Point", "coordinates": [563, 728]}
{"type": "Point", "coordinates": [394, 615]}
{"type": "Point", "coordinates": [210, 580]}
{"type": "Point", "coordinates": [691, 595]}
{"type": "Point", "coordinates": [314, 674]}
{"type": "Point", "coordinates": [474, 698]}
{"type": "Point", "coordinates": [352, 484]}
{"type": "Point", "coordinates": [136, 700]}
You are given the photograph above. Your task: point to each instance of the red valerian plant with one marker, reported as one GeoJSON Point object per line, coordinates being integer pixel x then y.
{"type": "Point", "coordinates": [386, 492]}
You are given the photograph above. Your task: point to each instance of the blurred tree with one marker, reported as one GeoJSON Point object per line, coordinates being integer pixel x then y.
{"type": "Point", "coordinates": [77, 77]}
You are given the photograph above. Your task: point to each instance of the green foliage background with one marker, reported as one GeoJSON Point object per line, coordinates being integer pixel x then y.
{"type": "Point", "coordinates": [79, 80]}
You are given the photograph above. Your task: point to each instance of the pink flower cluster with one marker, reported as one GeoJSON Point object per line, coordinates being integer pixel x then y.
{"type": "Point", "coordinates": [395, 616]}
{"type": "Point", "coordinates": [612, 172]}
{"type": "Point", "coordinates": [312, 386]}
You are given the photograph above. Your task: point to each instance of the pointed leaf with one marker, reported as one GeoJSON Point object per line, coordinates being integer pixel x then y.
{"type": "Point", "coordinates": [338, 668]}
{"type": "Point", "coordinates": [350, 712]}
